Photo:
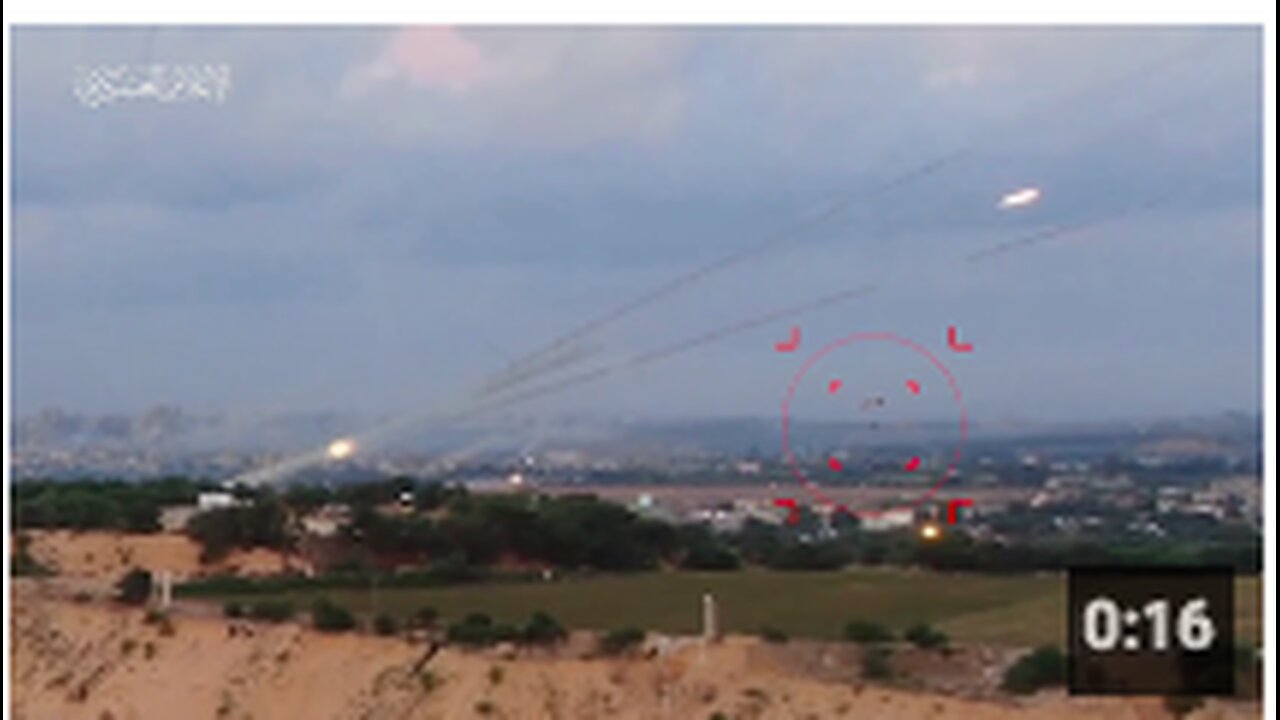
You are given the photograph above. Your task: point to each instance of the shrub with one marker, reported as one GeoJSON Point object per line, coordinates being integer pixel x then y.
{"type": "Point", "coordinates": [620, 640]}
{"type": "Point", "coordinates": [232, 610]}
{"type": "Point", "coordinates": [134, 588]}
{"type": "Point", "coordinates": [162, 621]}
{"type": "Point", "coordinates": [24, 563]}
{"type": "Point", "coordinates": [771, 634]}
{"type": "Point", "coordinates": [477, 629]}
{"type": "Point", "coordinates": [875, 663]}
{"type": "Point", "coordinates": [1182, 705]}
{"type": "Point", "coordinates": [925, 636]}
{"type": "Point", "coordinates": [271, 610]}
{"type": "Point", "coordinates": [328, 616]}
{"type": "Point", "coordinates": [710, 556]}
{"type": "Point", "coordinates": [542, 629]}
{"type": "Point", "coordinates": [428, 680]}
{"type": "Point", "coordinates": [425, 617]}
{"type": "Point", "coordinates": [866, 632]}
{"type": "Point", "coordinates": [1043, 667]}
{"type": "Point", "coordinates": [384, 624]}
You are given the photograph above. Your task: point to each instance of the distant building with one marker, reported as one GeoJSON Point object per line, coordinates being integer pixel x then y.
{"type": "Point", "coordinates": [889, 520]}
{"type": "Point", "coordinates": [207, 501]}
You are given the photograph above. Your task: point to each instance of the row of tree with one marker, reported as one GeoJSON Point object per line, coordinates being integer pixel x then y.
{"type": "Point", "coordinates": [581, 531]}
{"type": "Point", "coordinates": [99, 504]}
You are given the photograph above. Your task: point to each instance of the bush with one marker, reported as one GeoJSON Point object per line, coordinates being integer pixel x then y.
{"type": "Point", "coordinates": [620, 640]}
{"type": "Point", "coordinates": [710, 556]}
{"type": "Point", "coordinates": [925, 636]}
{"type": "Point", "coordinates": [875, 663]}
{"type": "Point", "coordinates": [1043, 667]}
{"type": "Point", "coordinates": [428, 680]}
{"type": "Point", "coordinates": [232, 610]}
{"type": "Point", "coordinates": [384, 624]}
{"type": "Point", "coordinates": [771, 634]}
{"type": "Point", "coordinates": [479, 629]}
{"type": "Point", "coordinates": [161, 620]}
{"type": "Point", "coordinates": [271, 610]}
{"type": "Point", "coordinates": [134, 588]}
{"type": "Point", "coordinates": [1182, 705]}
{"type": "Point", "coordinates": [328, 616]}
{"type": "Point", "coordinates": [425, 617]}
{"type": "Point", "coordinates": [542, 629]}
{"type": "Point", "coordinates": [24, 563]}
{"type": "Point", "coordinates": [866, 632]}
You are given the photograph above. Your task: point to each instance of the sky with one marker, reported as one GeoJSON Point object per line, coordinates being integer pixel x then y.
{"type": "Point", "coordinates": [378, 219]}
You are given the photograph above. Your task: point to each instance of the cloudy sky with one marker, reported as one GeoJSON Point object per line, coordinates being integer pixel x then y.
{"type": "Point", "coordinates": [377, 219]}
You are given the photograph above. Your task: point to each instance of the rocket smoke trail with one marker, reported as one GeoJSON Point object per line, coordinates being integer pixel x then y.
{"type": "Point", "coordinates": [838, 208]}
{"type": "Point", "coordinates": [1026, 241]}
{"type": "Point", "coordinates": [566, 351]}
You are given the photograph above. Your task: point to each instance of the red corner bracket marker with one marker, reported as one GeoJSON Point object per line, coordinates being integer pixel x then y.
{"type": "Point", "coordinates": [791, 343]}
{"type": "Point", "coordinates": [954, 505]}
{"type": "Point", "coordinates": [953, 341]}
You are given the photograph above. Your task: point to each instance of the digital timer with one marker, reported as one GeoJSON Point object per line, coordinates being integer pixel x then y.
{"type": "Point", "coordinates": [1151, 630]}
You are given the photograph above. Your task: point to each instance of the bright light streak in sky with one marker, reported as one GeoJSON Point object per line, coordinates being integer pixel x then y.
{"type": "Point", "coordinates": [1020, 198]}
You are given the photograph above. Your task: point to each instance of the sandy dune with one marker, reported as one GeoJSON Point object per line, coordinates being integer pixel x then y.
{"type": "Point", "coordinates": [106, 556]}
{"type": "Point", "coordinates": [84, 660]}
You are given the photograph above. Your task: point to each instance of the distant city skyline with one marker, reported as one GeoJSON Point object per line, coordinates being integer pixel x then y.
{"type": "Point", "coordinates": [376, 220]}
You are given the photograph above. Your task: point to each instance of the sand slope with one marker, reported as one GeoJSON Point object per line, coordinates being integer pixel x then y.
{"type": "Point", "coordinates": [89, 660]}
{"type": "Point", "coordinates": [105, 556]}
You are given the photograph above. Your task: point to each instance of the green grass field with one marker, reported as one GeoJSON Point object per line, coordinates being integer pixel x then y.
{"type": "Point", "coordinates": [1007, 610]}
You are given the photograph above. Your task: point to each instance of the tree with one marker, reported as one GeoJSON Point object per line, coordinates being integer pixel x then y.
{"type": "Point", "coordinates": [274, 611]}
{"type": "Point", "coordinates": [134, 588]}
{"type": "Point", "coordinates": [1180, 706]}
{"type": "Point", "coordinates": [542, 629]}
{"type": "Point", "coordinates": [384, 624]}
{"type": "Point", "coordinates": [771, 634]}
{"type": "Point", "coordinates": [328, 616]}
{"type": "Point", "coordinates": [425, 617]}
{"type": "Point", "coordinates": [261, 524]}
{"type": "Point", "coordinates": [620, 640]}
{"type": "Point", "coordinates": [867, 632]}
{"type": "Point", "coordinates": [925, 636]}
{"type": "Point", "coordinates": [479, 629]}
{"type": "Point", "coordinates": [875, 663]}
{"type": "Point", "coordinates": [1043, 667]}
{"type": "Point", "coordinates": [704, 552]}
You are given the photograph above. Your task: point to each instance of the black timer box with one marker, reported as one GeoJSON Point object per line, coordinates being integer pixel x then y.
{"type": "Point", "coordinates": [1151, 630]}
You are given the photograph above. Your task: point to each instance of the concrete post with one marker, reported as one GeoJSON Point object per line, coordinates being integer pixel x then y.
{"type": "Point", "coordinates": [710, 618]}
{"type": "Point", "coordinates": [166, 589]}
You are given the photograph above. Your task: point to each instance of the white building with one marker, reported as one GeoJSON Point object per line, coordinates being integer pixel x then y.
{"type": "Point", "coordinates": [206, 501]}
{"type": "Point", "coordinates": [889, 520]}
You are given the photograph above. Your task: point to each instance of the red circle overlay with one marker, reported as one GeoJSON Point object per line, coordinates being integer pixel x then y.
{"type": "Point", "coordinates": [919, 349]}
